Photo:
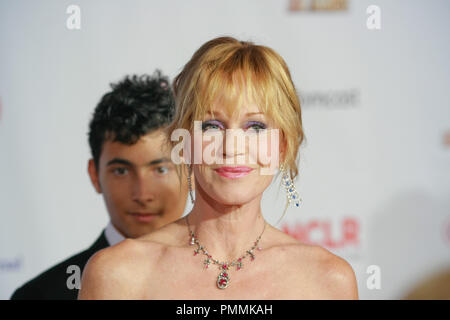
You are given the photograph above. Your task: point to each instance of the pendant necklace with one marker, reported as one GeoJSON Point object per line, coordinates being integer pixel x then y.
{"type": "Point", "coordinates": [223, 279]}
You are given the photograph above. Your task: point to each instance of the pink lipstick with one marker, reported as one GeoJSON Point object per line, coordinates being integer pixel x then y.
{"type": "Point", "coordinates": [233, 172]}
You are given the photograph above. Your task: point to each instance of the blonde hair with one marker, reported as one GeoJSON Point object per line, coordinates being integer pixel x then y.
{"type": "Point", "coordinates": [223, 66]}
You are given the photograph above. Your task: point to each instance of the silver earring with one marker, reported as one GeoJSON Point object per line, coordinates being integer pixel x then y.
{"type": "Point", "coordinates": [190, 183]}
{"type": "Point", "coordinates": [291, 192]}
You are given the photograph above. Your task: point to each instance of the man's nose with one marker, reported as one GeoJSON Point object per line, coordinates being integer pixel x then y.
{"type": "Point", "coordinates": [143, 190]}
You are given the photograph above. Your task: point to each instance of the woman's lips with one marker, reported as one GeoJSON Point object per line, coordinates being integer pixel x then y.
{"type": "Point", "coordinates": [143, 217]}
{"type": "Point", "coordinates": [233, 172]}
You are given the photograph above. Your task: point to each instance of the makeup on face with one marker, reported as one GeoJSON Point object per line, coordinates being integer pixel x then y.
{"type": "Point", "coordinates": [233, 172]}
{"type": "Point", "coordinates": [214, 124]}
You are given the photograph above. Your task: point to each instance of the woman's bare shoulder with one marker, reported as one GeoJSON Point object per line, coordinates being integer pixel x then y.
{"type": "Point", "coordinates": [332, 277]}
{"type": "Point", "coordinates": [337, 275]}
{"type": "Point", "coordinates": [172, 234]}
{"type": "Point", "coordinates": [117, 272]}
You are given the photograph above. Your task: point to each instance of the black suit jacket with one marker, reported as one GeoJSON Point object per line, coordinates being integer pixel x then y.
{"type": "Point", "coordinates": [51, 284]}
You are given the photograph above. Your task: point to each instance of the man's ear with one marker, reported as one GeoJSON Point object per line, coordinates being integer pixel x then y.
{"type": "Point", "coordinates": [93, 174]}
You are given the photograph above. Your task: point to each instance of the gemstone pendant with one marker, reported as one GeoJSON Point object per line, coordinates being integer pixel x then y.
{"type": "Point", "coordinates": [223, 280]}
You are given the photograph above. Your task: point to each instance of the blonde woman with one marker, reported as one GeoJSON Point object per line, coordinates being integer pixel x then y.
{"type": "Point", "coordinates": [224, 249]}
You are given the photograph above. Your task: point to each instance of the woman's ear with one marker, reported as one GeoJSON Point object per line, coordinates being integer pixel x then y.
{"type": "Point", "coordinates": [93, 174]}
{"type": "Point", "coordinates": [283, 148]}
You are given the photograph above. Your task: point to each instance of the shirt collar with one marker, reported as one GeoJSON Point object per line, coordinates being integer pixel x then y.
{"type": "Point", "coordinates": [113, 236]}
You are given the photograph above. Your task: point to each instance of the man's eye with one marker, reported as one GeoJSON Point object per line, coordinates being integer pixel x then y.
{"type": "Point", "coordinates": [120, 171]}
{"type": "Point", "coordinates": [162, 170]}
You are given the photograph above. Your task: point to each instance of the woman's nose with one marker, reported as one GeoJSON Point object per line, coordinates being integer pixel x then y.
{"type": "Point", "coordinates": [234, 143]}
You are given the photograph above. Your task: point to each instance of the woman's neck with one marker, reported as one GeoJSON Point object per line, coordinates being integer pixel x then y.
{"type": "Point", "coordinates": [226, 231]}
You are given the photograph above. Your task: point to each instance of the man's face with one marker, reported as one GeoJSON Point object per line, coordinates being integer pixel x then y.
{"type": "Point", "coordinates": [139, 184]}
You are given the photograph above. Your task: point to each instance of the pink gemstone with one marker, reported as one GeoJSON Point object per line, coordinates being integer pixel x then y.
{"type": "Point", "coordinates": [222, 281]}
{"type": "Point", "coordinates": [225, 266]}
{"type": "Point", "coordinates": [195, 253]}
{"type": "Point", "coordinates": [259, 248]}
{"type": "Point", "coordinates": [225, 274]}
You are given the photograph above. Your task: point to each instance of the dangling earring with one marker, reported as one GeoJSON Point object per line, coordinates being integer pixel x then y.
{"type": "Point", "coordinates": [291, 192]}
{"type": "Point", "coordinates": [190, 183]}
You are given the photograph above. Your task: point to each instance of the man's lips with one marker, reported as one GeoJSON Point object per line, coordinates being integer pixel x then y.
{"type": "Point", "coordinates": [233, 172]}
{"type": "Point", "coordinates": [143, 216]}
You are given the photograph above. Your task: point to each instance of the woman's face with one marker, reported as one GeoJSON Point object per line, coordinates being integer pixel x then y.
{"type": "Point", "coordinates": [238, 154]}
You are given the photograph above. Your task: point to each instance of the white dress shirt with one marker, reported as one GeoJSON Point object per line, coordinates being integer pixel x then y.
{"type": "Point", "coordinates": [113, 236]}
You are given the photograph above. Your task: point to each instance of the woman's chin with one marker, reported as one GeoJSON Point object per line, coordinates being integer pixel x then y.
{"type": "Point", "coordinates": [233, 198]}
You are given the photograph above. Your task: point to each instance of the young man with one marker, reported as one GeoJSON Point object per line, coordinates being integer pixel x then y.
{"type": "Point", "coordinates": [131, 168]}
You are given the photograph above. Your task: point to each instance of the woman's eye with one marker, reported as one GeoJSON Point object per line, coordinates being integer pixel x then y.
{"type": "Point", "coordinates": [120, 171]}
{"type": "Point", "coordinates": [208, 125]}
{"type": "Point", "coordinates": [257, 126]}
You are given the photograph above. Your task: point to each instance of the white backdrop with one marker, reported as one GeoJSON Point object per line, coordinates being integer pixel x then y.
{"type": "Point", "coordinates": [374, 174]}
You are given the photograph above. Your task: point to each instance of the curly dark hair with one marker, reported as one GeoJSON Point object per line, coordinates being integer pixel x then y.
{"type": "Point", "coordinates": [135, 106]}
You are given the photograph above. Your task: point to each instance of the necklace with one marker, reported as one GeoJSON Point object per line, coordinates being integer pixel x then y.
{"type": "Point", "coordinates": [223, 280]}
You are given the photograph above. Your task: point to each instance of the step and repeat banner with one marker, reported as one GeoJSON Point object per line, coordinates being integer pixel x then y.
{"type": "Point", "coordinates": [373, 78]}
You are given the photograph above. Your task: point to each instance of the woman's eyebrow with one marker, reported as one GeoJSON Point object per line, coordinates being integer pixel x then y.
{"type": "Point", "coordinates": [247, 114]}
